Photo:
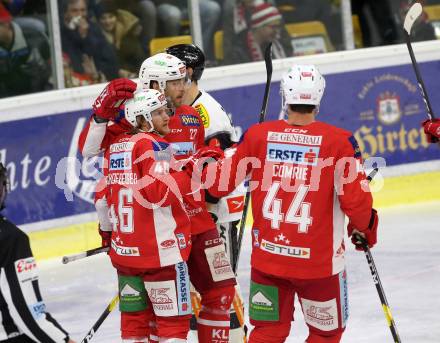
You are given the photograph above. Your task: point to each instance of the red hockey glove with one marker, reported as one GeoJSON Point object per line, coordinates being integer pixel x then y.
{"type": "Point", "coordinates": [370, 234]}
{"type": "Point", "coordinates": [432, 130]}
{"type": "Point", "coordinates": [106, 237]}
{"type": "Point", "coordinates": [201, 158]}
{"type": "Point", "coordinates": [106, 105]}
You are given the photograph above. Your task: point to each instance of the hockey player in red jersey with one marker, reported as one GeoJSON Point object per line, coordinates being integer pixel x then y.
{"type": "Point", "coordinates": [151, 230]}
{"type": "Point", "coordinates": [305, 176]}
{"type": "Point", "coordinates": [219, 132]}
{"type": "Point", "coordinates": [432, 130]}
{"type": "Point", "coordinates": [214, 282]}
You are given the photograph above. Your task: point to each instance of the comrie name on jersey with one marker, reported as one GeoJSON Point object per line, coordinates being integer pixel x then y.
{"type": "Point", "coordinates": [292, 153]}
{"type": "Point", "coordinates": [289, 171]}
{"type": "Point", "coordinates": [297, 138]}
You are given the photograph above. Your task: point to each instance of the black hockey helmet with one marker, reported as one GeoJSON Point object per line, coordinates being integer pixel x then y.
{"type": "Point", "coordinates": [4, 185]}
{"type": "Point", "coordinates": [191, 55]}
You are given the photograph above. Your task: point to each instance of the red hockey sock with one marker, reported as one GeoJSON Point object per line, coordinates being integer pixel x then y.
{"type": "Point", "coordinates": [314, 338]}
{"type": "Point", "coordinates": [213, 322]}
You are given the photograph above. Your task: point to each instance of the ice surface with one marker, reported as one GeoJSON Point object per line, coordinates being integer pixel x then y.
{"type": "Point", "coordinates": [407, 257]}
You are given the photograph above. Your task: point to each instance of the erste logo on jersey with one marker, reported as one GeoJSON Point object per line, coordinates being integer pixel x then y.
{"type": "Point", "coordinates": [292, 153]}
{"type": "Point", "coordinates": [203, 113]}
{"type": "Point", "coordinates": [189, 120]}
{"type": "Point", "coordinates": [120, 161]}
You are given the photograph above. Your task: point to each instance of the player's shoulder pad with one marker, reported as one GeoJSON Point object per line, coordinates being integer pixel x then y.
{"type": "Point", "coordinates": [186, 109]}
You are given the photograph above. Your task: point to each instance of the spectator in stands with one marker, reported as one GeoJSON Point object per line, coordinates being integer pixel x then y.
{"type": "Point", "coordinates": [122, 30]}
{"type": "Point", "coordinates": [376, 14]}
{"type": "Point", "coordinates": [266, 27]}
{"type": "Point", "coordinates": [146, 11]}
{"type": "Point", "coordinates": [84, 43]}
{"type": "Point", "coordinates": [311, 10]}
{"type": "Point", "coordinates": [24, 58]}
{"type": "Point", "coordinates": [236, 22]}
{"type": "Point", "coordinates": [28, 14]}
{"type": "Point", "coordinates": [171, 12]}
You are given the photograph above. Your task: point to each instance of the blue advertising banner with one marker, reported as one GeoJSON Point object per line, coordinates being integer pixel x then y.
{"type": "Point", "coordinates": [383, 107]}
{"type": "Point", "coordinates": [41, 154]}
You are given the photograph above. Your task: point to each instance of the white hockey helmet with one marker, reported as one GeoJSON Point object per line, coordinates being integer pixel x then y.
{"type": "Point", "coordinates": [302, 85]}
{"type": "Point", "coordinates": [161, 68]}
{"type": "Point", "coordinates": [143, 103]}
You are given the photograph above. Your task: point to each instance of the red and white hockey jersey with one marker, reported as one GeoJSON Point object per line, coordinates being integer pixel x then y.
{"type": "Point", "coordinates": [303, 180]}
{"type": "Point", "coordinates": [150, 226]}
{"type": "Point", "coordinates": [186, 137]}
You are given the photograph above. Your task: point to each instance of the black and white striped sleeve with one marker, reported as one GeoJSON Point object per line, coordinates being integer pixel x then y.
{"type": "Point", "coordinates": [20, 290]}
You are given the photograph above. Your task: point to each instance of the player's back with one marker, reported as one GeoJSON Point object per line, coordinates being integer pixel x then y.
{"type": "Point", "coordinates": [298, 215]}
{"type": "Point", "coordinates": [151, 228]}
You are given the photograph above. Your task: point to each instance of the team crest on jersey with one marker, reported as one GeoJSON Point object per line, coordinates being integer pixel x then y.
{"type": "Point", "coordinates": [291, 153]}
{"type": "Point", "coordinates": [189, 120]}
{"type": "Point", "coordinates": [120, 161]}
{"type": "Point", "coordinates": [203, 113]}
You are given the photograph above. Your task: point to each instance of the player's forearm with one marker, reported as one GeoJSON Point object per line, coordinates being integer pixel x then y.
{"type": "Point", "coordinates": [91, 138]}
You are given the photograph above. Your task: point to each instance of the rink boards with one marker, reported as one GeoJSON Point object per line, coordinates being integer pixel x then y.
{"type": "Point", "coordinates": [372, 92]}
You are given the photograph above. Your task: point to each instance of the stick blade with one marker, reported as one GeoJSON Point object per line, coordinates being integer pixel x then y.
{"type": "Point", "coordinates": [414, 12]}
{"type": "Point", "coordinates": [268, 58]}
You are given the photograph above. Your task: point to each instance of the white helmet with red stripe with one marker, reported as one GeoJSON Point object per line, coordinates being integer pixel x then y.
{"type": "Point", "coordinates": [302, 85]}
{"type": "Point", "coordinates": [143, 103]}
{"type": "Point", "coordinates": [161, 68]}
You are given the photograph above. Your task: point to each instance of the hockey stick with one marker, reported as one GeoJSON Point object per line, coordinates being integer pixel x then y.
{"type": "Point", "coordinates": [268, 62]}
{"type": "Point", "coordinates": [379, 288]}
{"type": "Point", "coordinates": [376, 278]}
{"type": "Point", "coordinates": [100, 320]}
{"type": "Point", "coordinates": [413, 13]}
{"type": "Point", "coordinates": [74, 257]}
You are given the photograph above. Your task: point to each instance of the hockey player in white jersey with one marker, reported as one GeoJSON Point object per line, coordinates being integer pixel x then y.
{"type": "Point", "coordinates": [219, 132]}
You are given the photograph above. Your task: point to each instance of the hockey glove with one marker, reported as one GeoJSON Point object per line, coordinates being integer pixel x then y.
{"type": "Point", "coordinates": [201, 158]}
{"type": "Point", "coordinates": [106, 237]}
{"type": "Point", "coordinates": [107, 104]}
{"type": "Point", "coordinates": [432, 130]}
{"type": "Point", "coordinates": [370, 234]}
